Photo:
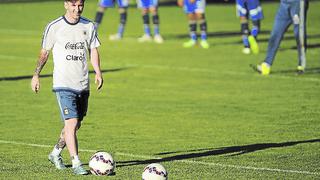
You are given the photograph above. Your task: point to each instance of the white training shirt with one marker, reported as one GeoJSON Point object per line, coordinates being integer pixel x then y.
{"type": "Point", "coordinates": [70, 44]}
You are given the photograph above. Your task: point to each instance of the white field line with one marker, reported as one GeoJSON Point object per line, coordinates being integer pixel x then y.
{"type": "Point", "coordinates": [183, 161]}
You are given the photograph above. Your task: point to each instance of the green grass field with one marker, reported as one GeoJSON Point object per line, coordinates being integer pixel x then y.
{"type": "Point", "coordinates": [203, 114]}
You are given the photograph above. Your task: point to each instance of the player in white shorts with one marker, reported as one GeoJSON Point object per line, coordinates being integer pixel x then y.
{"type": "Point", "coordinates": [70, 37]}
{"type": "Point", "coordinates": [123, 12]}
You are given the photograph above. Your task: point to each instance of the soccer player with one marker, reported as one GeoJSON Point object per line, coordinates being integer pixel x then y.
{"type": "Point", "coordinates": [287, 14]}
{"type": "Point", "coordinates": [70, 37]}
{"type": "Point", "coordinates": [147, 7]}
{"type": "Point", "coordinates": [249, 9]}
{"type": "Point", "coordinates": [122, 9]}
{"type": "Point", "coordinates": [195, 10]}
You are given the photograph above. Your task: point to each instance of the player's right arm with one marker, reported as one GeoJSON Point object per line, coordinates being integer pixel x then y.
{"type": "Point", "coordinates": [35, 81]}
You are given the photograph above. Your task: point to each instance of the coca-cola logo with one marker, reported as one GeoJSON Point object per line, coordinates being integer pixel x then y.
{"type": "Point", "coordinates": [74, 46]}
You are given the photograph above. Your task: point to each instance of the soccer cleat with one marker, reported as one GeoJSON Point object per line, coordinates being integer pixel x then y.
{"type": "Point", "coordinates": [246, 50]}
{"type": "Point", "coordinates": [264, 68]}
{"type": "Point", "coordinates": [145, 38]}
{"type": "Point", "coordinates": [253, 45]}
{"type": "Point", "coordinates": [57, 161]}
{"type": "Point", "coordinates": [158, 39]}
{"type": "Point", "coordinates": [204, 44]}
{"type": "Point", "coordinates": [115, 37]}
{"type": "Point", "coordinates": [79, 170]}
{"type": "Point", "coordinates": [189, 43]}
{"type": "Point", "coordinates": [300, 70]}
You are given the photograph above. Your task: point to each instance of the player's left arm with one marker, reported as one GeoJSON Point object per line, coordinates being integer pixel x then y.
{"type": "Point", "coordinates": [95, 61]}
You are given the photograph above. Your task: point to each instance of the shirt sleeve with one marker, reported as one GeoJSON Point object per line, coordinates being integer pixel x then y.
{"type": "Point", "coordinates": [48, 39]}
{"type": "Point", "coordinates": [94, 41]}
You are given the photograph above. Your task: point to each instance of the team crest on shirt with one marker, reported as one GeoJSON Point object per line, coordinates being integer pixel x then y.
{"type": "Point", "coordinates": [65, 111]}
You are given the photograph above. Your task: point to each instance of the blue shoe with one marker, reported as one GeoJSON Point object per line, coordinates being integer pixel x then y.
{"type": "Point", "coordinates": [57, 161]}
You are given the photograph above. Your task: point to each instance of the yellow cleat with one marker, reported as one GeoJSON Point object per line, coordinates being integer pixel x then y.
{"type": "Point", "coordinates": [253, 45]}
{"type": "Point", "coordinates": [204, 44]}
{"type": "Point", "coordinates": [300, 70]}
{"type": "Point", "coordinates": [264, 68]}
{"type": "Point", "coordinates": [189, 43]}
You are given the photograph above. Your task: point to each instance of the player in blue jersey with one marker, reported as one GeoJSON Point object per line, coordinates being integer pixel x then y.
{"type": "Point", "coordinates": [122, 8]}
{"type": "Point", "coordinates": [289, 12]}
{"type": "Point", "coordinates": [249, 9]}
{"type": "Point", "coordinates": [147, 7]}
{"type": "Point", "coordinates": [195, 10]}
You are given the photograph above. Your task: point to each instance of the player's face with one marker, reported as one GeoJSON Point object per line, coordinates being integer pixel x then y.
{"type": "Point", "coordinates": [74, 9]}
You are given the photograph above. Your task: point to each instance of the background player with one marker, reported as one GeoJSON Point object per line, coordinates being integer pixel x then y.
{"type": "Point", "coordinates": [70, 37]}
{"type": "Point", "coordinates": [122, 9]}
{"type": "Point", "coordinates": [195, 10]}
{"type": "Point", "coordinates": [249, 9]}
{"type": "Point", "coordinates": [147, 7]}
{"type": "Point", "coordinates": [288, 13]}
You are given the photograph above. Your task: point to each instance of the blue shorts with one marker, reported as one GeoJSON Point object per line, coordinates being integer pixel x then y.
{"type": "Point", "coordinates": [72, 105]}
{"type": "Point", "coordinates": [110, 3]}
{"type": "Point", "coordinates": [147, 3]}
{"type": "Point", "coordinates": [250, 9]}
{"type": "Point", "coordinates": [197, 7]}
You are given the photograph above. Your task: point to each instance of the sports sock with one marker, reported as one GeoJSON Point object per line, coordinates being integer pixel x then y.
{"type": "Point", "coordinates": [98, 18]}
{"type": "Point", "coordinates": [245, 34]}
{"type": "Point", "coordinates": [256, 28]}
{"type": "Point", "coordinates": [57, 149]}
{"type": "Point", "coordinates": [146, 24]}
{"type": "Point", "coordinates": [155, 20]}
{"type": "Point", "coordinates": [123, 21]}
{"type": "Point", "coordinates": [193, 30]}
{"type": "Point", "coordinates": [203, 28]}
{"type": "Point", "coordinates": [75, 161]}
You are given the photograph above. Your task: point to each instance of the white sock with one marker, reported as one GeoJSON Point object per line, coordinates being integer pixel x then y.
{"type": "Point", "coordinates": [56, 151]}
{"type": "Point", "coordinates": [75, 161]}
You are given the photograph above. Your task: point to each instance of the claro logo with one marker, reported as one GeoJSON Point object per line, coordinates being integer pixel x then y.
{"type": "Point", "coordinates": [74, 46]}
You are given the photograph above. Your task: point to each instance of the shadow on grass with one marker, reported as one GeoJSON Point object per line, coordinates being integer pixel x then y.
{"type": "Point", "coordinates": [230, 151]}
{"type": "Point", "coordinates": [16, 78]}
{"type": "Point", "coordinates": [307, 71]}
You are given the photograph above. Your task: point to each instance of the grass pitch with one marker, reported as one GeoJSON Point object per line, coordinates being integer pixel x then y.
{"type": "Point", "coordinates": [203, 114]}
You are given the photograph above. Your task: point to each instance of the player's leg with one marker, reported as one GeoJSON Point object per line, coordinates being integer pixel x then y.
{"type": "Point", "coordinates": [281, 23]}
{"type": "Point", "coordinates": [55, 156]}
{"type": "Point", "coordinates": [146, 26]}
{"type": "Point", "coordinates": [192, 19]}
{"type": "Point", "coordinates": [245, 34]}
{"type": "Point", "coordinates": [102, 5]}
{"type": "Point", "coordinates": [71, 126]}
{"type": "Point", "coordinates": [123, 13]}
{"type": "Point", "coordinates": [299, 16]}
{"type": "Point", "coordinates": [256, 15]}
{"type": "Point", "coordinates": [203, 28]}
{"type": "Point", "coordinates": [243, 13]}
{"type": "Point", "coordinates": [73, 109]}
{"type": "Point", "coordinates": [201, 19]}
{"type": "Point", "coordinates": [155, 20]}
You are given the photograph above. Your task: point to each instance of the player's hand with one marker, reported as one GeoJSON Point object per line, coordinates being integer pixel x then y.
{"type": "Point", "coordinates": [192, 1]}
{"type": "Point", "coordinates": [180, 3]}
{"type": "Point", "coordinates": [35, 84]}
{"type": "Point", "coordinates": [99, 81]}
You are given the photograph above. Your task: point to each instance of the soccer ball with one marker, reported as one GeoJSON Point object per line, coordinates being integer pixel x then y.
{"type": "Point", "coordinates": [154, 171]}
{"type": "Point", "coordinates": [101, 163]}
